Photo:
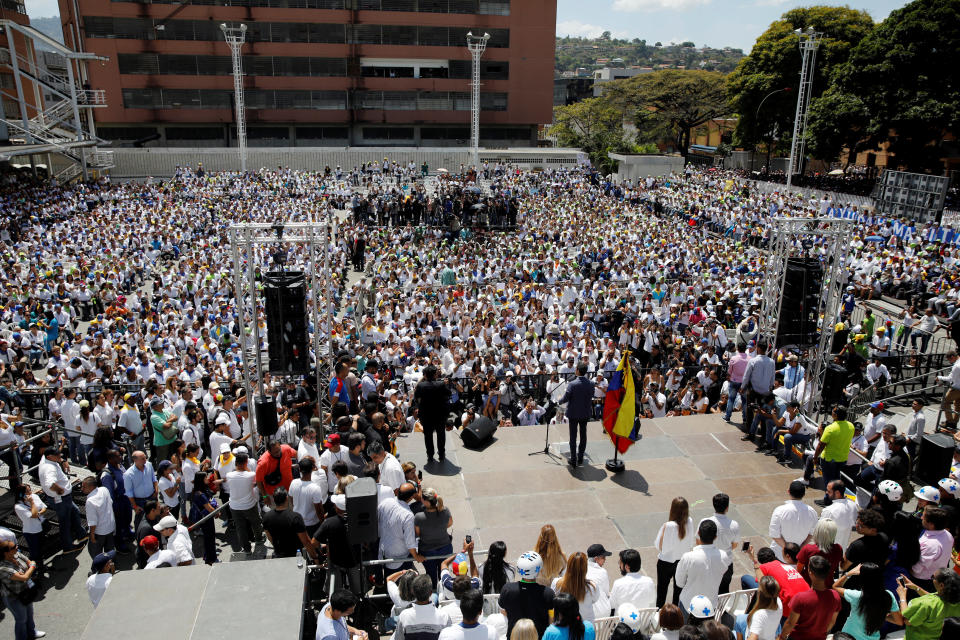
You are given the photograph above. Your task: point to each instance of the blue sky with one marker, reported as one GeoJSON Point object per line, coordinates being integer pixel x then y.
{"type": "Point", "coordinates": [718, 23]}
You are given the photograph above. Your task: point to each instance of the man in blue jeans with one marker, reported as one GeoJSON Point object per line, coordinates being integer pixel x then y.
{"type": "Point", "coordinates": [59, 495]}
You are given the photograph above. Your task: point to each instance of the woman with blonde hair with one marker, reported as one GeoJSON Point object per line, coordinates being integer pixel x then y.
{"type": "Point", "coordinates": [553, 559]}
{"type": "Point", "coordinates": [674, 538]}
{"type": "Point", "coordinates": [524, 629]}
{"type": "Point", "coordinates": [763, 620]}
{"type": "Point", "coordinates": [575, 583]}
{"type": "Point", "coordinates": [823, 544]}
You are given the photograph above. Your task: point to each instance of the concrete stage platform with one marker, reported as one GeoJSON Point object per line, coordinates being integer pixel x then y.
{"type": "Point", "coordinates": [502, 493]}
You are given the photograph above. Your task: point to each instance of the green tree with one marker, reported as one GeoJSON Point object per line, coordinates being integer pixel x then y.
{"type": "Point", "coordinates": [667, 104]}
{"type": "Point", "coordinates": [774, 63]}
{"type": "Point", "coordinates": [594, 126]}
{"type": "Point", "coordinates": [901, 84]}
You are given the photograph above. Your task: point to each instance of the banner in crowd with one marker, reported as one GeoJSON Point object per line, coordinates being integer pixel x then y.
{"type": "Point", "coordinates": [903, 230]}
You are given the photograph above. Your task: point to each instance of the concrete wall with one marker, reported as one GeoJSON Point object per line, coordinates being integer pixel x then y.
{"type": "Point", "coordinates": [636, 167]}
{"type": "Point", "coordinates": [162, 162]}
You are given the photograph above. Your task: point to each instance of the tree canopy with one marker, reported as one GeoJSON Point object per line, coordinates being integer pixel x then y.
{"type": "Point", "coordinates": [900, 84]}
{"type": "Point", "coordinates": [774, 63]}
{"type": "Point", "coordinates": [671, 102]}
{"type": "Point", "coordinates": [596, 127]}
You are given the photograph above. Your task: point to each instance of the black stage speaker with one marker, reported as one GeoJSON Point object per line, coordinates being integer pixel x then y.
{"type": "Point", "coordinates": [800, 306]}
{"type": "Point", "coordinates": [476, 434]}
{"type": "Point", "coordinates": [834, 382]}
{"type": "Point", "coordinates": [934, 458]}
{"type": "Point", "coordinates": [362, 522]}
{"type": "Point", "coordinates": [286, 305]}
{"type": "Point", "coordinates": [265, 409]}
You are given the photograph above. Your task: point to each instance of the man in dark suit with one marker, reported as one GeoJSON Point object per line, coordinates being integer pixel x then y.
{"type": "Point", "coordinates": [432, 398]}
{"type": "Point", "coordinates": [579, 398]}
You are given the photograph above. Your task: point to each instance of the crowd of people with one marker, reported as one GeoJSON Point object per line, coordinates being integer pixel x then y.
{"type": "Point", "coordinates": [121, 324]}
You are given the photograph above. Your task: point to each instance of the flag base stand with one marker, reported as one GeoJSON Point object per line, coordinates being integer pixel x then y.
{"type": "Point", "coordinates": [614, 464]}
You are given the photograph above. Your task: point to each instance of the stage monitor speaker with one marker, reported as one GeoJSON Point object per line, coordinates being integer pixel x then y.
{"type": "Point", "coordinates": [362, 524]}
{"type": "Point", "coordinates": [834, 382]}
{"type": "Point", "coordinates": [477, 433]}
{"type": "Point", "coordinates": [286, 305]}
{"type": "Point", "coordinates": [800, 306]}
{"type": "Point", "coordinates": [265, 409]}
{"type": "Point", "coordinates": [934, 458]}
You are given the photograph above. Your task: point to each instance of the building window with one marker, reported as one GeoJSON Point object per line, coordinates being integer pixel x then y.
{"type": "Point", "coordinates": [223, 99]}
{"type": "Point", "coordinates": [445, 133]}
{"type": "Point", "coordinates": [322, 133]}
{"type": "Point", "coordinates": [388, 133]}
{"type": "Point", "coordinates": [487, 7]}
{"type": "Point", "coordinates": [125, 133]}
{"type": "Point", "coordinates": [194, 133]}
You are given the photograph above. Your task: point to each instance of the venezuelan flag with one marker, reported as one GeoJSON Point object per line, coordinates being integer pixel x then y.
{"type": "Point", "coordinates": [619, 407]}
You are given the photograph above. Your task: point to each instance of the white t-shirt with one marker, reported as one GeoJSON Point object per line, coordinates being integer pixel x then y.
{"type": "Point", "coordinates": [99, 508]}
{"type": "Point", "coordinates": [765, 622]}
{"type": "Point", "coordinates": [305, 495]}
{"type": "Point", "coordinates": [460, 632]}
{"type": "Point", "coordinates": [671, 545]}
{"type": "Point", "coordinates": [30, 525]}
{"type": "Point", "coordinates": [242, 487]}
{"type": "Point", "coordinates": [163, 556]}
{"type": "Point", "coordinates": [164, 483]}
{"type": "Point", "coordinates": [97, 586]}
{"type": "Point", "coordinates": [327, 458]}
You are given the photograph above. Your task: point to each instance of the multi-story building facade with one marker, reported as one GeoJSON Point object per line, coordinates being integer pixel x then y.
{"type": "Point", "coordinates": [318, 72]}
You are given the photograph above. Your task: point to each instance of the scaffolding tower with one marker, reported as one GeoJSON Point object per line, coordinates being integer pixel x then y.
{"type": "Point", "coordinates": [829, 240]}
{"type": "Point", "coordinates": [235, 37]}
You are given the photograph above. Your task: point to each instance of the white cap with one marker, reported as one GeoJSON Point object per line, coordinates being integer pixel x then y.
{"type": "Point", "coordinates": [339, 501]}
{"type": "Point", "coordinates": [224, 447]}
{"type": "Point", "coordinates": [223, 419]}
{"type": "Point", "coordinates": [166, 522]}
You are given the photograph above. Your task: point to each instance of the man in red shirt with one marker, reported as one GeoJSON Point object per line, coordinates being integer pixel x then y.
{"type": "Point", "coordinates": [815, 610]}
{"type": "Point", "coordinates": [275, 469]}
{"type": "Point", "coordinates": [785, 573]}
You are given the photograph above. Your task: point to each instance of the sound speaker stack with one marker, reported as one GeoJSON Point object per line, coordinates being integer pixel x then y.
{"type": "Point", "coordinates": [934, 458]}
{"type": "Point", "coordinates": [265, 409]}
{"type": "Point", "coordinates": [800, 307]}
{"type": "Point", "coordinates": [286, 305]}
{"type": "Point", "coordinates": [362, 524]}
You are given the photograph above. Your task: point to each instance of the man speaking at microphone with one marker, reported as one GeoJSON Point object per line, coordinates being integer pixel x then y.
{"type": "Point", "coordinates": [578, 397]}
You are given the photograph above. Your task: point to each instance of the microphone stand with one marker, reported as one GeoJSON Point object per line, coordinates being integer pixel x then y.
{"type": "Point", "coordinates": [546, 439]}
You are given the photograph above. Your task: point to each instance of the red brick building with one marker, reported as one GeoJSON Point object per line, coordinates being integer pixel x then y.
{"type": "Point", "coordinates": [318, 72]}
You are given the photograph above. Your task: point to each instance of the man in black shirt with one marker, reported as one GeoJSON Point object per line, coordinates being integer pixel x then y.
{"type": "Point", "coordinates": [874, 546]}
{"type": "Point", "coordinates": [527, 598]}
{"type": "Point", "coordinates": [331, 537]}
{"type": "Point", "coordinates": [356, 443]}
{"type": "Point", "coordinates": [152, 512]}
{"type": "Point", "coordinates": [432, 398]}
{"type": "Point", "coordinates": [285, 529]}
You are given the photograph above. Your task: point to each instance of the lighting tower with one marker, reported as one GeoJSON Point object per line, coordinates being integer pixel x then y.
{"type": "Point", "coordinates": [476, 45]}
{"type": "Point", "coordinates": [809, 42]}
{"type": "Point", "coordinates": [235, 37]}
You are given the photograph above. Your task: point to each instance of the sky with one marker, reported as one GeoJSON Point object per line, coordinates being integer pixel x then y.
{"type": "Point", "coordinates": [717, 23]}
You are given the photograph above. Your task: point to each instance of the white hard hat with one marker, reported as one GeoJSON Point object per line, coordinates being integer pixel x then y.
{"type": "Point", "coordinates": [891, 489]}
{"type": "Point", "coordinates": [928, 493]}
{"type": "Point", "coordinates": [701, 607]}
{"type": "Point", "coordinates": [529, 565]}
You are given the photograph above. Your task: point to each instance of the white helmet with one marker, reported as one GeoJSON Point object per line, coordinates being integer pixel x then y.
{"type": "Point", "coordinates": [701, 607]}
{"type": "Point", "coordinates": [529, 565]}
{"type": "Point", "coordinates": [928, 493]}
{"type": "Point", "coordinates": [954, 471]}
{"type": "Point", "coordinates": [891, 489]}
{"type": "Point", "coordinates": [629, 615]}
{"type": "Point", "coordinates": [951, 486]}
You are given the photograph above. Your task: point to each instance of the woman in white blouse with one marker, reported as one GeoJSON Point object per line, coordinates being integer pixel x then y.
{"type": "Point", "coordinates": [675, 538]}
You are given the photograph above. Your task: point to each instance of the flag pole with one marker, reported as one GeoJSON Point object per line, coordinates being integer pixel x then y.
{"type": "Point", "coordinates": [614, 464]}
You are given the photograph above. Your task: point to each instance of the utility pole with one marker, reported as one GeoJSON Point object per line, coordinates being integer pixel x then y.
{"type": "Point", "coordinates": [235, 37]}
{"type": "Point", "coordinates": [809, 42]}
{"type": "Point", "coordinates": [476, 45]}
